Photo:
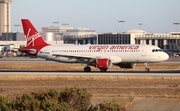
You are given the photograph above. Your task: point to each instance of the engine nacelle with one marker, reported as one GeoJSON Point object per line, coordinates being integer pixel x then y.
{"type": "Point", "coordinates": [103, 63]}
{"type": "Point", "coordinates": [126, 65]}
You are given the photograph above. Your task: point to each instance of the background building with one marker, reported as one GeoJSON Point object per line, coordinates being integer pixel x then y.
{"type": "Point", "coordinates": [114, 38]}
{"type": "Point", "coordinates": [167, 42]}
{"type": "Point", "coordinates": [57, 33]}
{"type": "Point", "coordinates": [80, 36]}
{"type": "Point", "coordinates": [4, 16]}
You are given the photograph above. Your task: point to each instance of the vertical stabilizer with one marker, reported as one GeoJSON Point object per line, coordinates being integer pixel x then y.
{"type": "Point", "coordinates": [33, 38]}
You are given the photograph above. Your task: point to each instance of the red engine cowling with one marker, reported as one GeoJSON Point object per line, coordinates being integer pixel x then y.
{"type": "Point", "coordinates": [103, 63]}
{"type": "Point", "coordinates": [126, 65]}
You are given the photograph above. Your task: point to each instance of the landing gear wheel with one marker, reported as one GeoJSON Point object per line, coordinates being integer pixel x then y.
{"type": "Point", "coordinates": [87, 69]}
{"type": "Point", "coordinates": [103, 70]}
{"type": "Point", "coordinates": [147, 69]}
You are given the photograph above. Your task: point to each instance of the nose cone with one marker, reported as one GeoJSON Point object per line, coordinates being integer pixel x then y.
{"type": "Point", "coordinates": [165, 57]}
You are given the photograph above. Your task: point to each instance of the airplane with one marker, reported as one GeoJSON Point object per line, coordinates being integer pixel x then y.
{"type": "Point", "coordinates": [99, 56]}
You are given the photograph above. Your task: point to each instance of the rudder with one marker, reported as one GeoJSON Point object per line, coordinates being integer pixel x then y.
{"type": "Point", "coordinates": [33, 38]}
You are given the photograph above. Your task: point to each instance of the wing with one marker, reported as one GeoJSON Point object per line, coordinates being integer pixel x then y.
{"type": "Point", "coordinates": [114, 59]}
{"type": "Point", "coordinates": [77, 56]}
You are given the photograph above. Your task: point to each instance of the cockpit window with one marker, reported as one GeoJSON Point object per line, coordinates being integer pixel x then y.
{"type": "Point", "coordinates": [157, 50]}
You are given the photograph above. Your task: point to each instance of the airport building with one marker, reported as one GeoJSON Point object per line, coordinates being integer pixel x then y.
{"type": "Point", "coordinates": [70, 35]}
{"type": "Point", "coordinates": [169, 42]}
{"type": "Point", "coordinates": [57, 33]}
{"type": "Point", "coordinates": [57, 29]}
{"type": "Point", "coordinates": [5, 16]}
{"type": "Point", "coordinates": [80, 36]}
{"type": "Point", "coordinates": [114, 38]}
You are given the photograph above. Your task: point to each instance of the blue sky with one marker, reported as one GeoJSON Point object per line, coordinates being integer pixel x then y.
{"type": "Point", "coordinates": [156, 16]}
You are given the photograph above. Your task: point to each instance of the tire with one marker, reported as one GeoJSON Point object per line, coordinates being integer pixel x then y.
{"type": "Point", "coordinates": [103, 70]}
{"type": "Point", "coordinates": [87, 69]}
{"type": "Point", "coordinates": [147, 69]}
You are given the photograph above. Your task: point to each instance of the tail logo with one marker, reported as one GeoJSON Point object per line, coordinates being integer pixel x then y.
{"type": "Point", "coordinates": [32, 38]}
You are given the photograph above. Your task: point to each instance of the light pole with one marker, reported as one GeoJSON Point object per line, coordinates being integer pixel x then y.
{"type": "Point", "coordinates": [55, 31]}
{"type": "Point", "coordinates": [177, 46]}
{"type": "Point", "coordinates": [56, 23]}
{"type": "Point", "coordinates": [121, 21]}
{"type": "Point", "coordinates": [65, 24]}
{"type": "Point", "coordinates": [140, 24]}
{"type": "Point", "coordinates": [176, 23]}
{"type": "Point", "coordinates": [17, 25]}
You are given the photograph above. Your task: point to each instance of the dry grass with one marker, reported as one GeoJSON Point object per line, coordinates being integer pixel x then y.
{"type": "Point", "coordinates": [100, 86]}
{"type": "Point", "coordinates": [25, 77]}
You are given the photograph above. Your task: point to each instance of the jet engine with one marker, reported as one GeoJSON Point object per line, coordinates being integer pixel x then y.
{"type": "Point", "coordinates": [126, 65]}
{"type": "Point", "coordinates": [102, 63]}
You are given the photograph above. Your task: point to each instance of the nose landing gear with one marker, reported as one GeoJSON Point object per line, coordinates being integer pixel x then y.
{"type": "Point", "coordinates": [146, 69]}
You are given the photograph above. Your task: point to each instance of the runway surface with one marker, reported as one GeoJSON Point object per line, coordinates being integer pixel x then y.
{"type": "Point", "coordinates": [125, 73]}
{"type": "Point", "coordinates": [26, 60]}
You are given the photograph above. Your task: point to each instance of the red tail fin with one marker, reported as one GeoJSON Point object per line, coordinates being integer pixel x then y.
{"type": "Point", "coordinates": [33, 38]}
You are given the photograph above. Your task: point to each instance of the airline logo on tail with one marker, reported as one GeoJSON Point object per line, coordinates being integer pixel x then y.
{"type": "Point", "coordinates": [34, 41]}
{"type": "Point", "coordinates": [32, 38]}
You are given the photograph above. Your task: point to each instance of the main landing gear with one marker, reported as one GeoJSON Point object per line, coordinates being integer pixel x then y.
{"type": "Point", "coordinates": [146, 69]}
{"type": "Point", "coordinates": [103, 70]}
{"type": "Point", "coordinates": [87, 69]}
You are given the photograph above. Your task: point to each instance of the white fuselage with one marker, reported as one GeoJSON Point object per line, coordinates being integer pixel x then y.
{"type": "Point", "coordinates": [116, 53]}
